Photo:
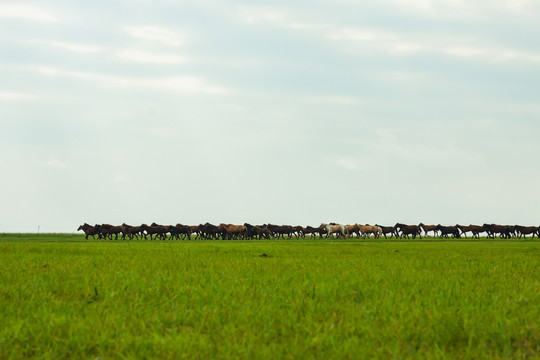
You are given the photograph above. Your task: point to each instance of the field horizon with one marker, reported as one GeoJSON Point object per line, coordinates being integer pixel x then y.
{"type": "Point", "coordinates": [62, 296]}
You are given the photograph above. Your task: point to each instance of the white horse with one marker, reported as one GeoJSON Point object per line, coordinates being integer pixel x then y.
{"type": "Point", "coordinates": [334, 229]}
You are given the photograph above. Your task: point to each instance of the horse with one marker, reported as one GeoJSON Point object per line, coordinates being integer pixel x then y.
{"type": "Point", "coordinates": [89, 230]}
{"type": "Point", "coordinates": [388, 230]}
{"type": "Point", "coordinates": [310, 230]}
{"type": "Point", "coordinates": [257, 231]}
{"type": "Point", "coordinates": [180, 231]}
{"type": "Point", "coordinates": [334, 229]}
{"type": "Point", "coordinates": [474, 229]}
{"type": "Point", "coordinates": [503, 231]}
{"type": "Point", "coordinates": [365, 230]}
{"type": "Point", "coordinates": [130, 231]}
{"type": "Point", "coordinates": [230, 231]}
{"type": "Point", "coordinates": [280, 230]}
{"type": "Point", "coordinates": [352, 229]}
{"type": "Point", "coordinates": [526, 230]}
{"type": "Point", "coordinates": [407, 230]}
{"type": "Point", "coordinates": [448, 230]}
{"type": "Point", "coordinates": [108, 230]}
{"type": "Point", "coordinates": [154, 229]}
{"type": "Point", "coordinates": [427, 228]}
{"type": "Point", "coordinates": [208, 231]}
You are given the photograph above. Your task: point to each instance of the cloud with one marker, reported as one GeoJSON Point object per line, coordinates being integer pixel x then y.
{"type": "Point", "coordinates": [491, 54]}
{"type": "Point", "coordinates": [187, 84]}
{"type": "Point", "coordinates": [402, 43]}
{"type": "Point", "coordinates": [271, 15]}
{"type": "Point", "coordinates": [256, 14]}
{"type": "Point", "coordinates": [349, 164]}
{"type": "Point", "coordinates": [456, 9]}
{"type": "Point", "coordinates": [55, 163]}
{"type": "Point", "coordinates": [357, 34]}
{"type": "Point", "coordinates": [120, 178]}
{"type": "Point", "coordinates": [157, 34]}
{"type": "Point", "coordinates": [150, 57]}
{"type": "Point", "coordinates": [80, 48]}
{"type": "Point", "coordinates": [15, 96]}
{"type": "Point", "coordinates": [336, 99]}
{"type": "Point", "coordinates": [26, 12]}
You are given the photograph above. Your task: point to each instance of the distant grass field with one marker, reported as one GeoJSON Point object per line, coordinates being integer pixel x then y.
{"type": "Point", "coordinates": [64, 297]}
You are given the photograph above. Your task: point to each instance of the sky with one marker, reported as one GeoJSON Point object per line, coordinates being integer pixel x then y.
{"type": "Point", "coordinates": [286, 112]}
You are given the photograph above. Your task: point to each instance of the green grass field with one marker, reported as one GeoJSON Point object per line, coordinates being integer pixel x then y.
{"type": "Point", "coordinates": [64, 297]}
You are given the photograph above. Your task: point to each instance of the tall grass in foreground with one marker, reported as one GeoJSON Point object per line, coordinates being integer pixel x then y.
{"type": "Point", "coordinates": [304, 300]}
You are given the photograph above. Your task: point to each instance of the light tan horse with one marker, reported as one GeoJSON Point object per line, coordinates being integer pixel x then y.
{"type": "Point", "coordinates": [230, 231]}
{"type": "Point", "coordinates": [334, 229]}
{"type": "Point", "coordinates": [366, 230]}
{"type": "Point", "coordinates": [351, 230]}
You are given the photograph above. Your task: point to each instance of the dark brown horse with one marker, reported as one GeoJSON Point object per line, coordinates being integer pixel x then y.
{"type": "Point", "coordinates": [407, 230]}
{"type": "Point", "coordinates": [259, 232]}
{"type": "Point", "coordinates": [89, 230]}
{"type": "Point", "coordinates": [388, 230]}
{"type": "Point", "coordinates": [208, 231]}
{"type": "Point", "coordinates": [526, 230]}
{"type": "Point", "coordinates": [154, 229]}
{"type": "Point", "coordinates": [448, 230]}
{"type": "Point", "coordinates": [181, 231]}
{"type": "Point", "coordinates": [504, 231]}
{"type": "Point", "coordinates": [427, 228]}
{"type": "Point", "coordinates": [130, 231]}
{"type": "Point", "coordinates": [108, 230]}
{"type": "Point", "coordinates": [474, 229]}
{"type": "Point", "coordinates": [280, 230]}
{"type": "Point", "coordinates": [310, 230]}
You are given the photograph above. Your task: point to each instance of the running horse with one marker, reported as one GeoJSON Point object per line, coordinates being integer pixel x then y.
{"type": "Point", "coordinates": [89, 230]}
{"type": "Point", "coordinates": [407, 230]}
{"type": "Point", "coordinates": [334, 229]}
{"type": "Point", "coordinates": [366, 230]}
{"type": "Point", "coordinates": [427, 228]}
{"type": "Point", "coordinates": [352, 230]}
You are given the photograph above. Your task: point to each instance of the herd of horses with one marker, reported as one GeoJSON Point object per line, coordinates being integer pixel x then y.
{"type": "Point", "coordinates": [331, 230]}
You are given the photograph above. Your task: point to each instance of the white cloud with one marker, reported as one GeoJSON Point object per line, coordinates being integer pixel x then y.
{"type": "Point", "coordinates": [15, 96]}
{"type": "Point", "coordinates": [464, 9]}
{"type": "Point", "coordinates": [349, 164]}
{"type": "Point", "coordinates": [395, 145]}
{"type": "Point", "coordinates": [80, 48]}
{"type": "Point", "coordinates": [26, 12]}
{"type": "Point", "coordinates": [491, 54]}
{"type": "Point", "coordinates": [275, 16]}
{"type": "Point", "coordinates": [55, 163]}
{"type": "Point", "coordinates": [158, 34]}
{"type": "Point", "coordinates": [188, 84]}
{"type": "Point", "coordinates": [148, 57]}
{"type": "Point", "coordinates": [341, 100]}
{"type": "Point", "coordinates": [397, 43]}
{"type": "Point", "coordinates": [357, 34]}
{"type": "Point", "coordinates": [463, 51]}
{"type": "Point", "coordinates": [120, 178]}
{"type": "Point", "coordinates": [405, 47]}
{"type": "Point", "coordinates": [255, 14]}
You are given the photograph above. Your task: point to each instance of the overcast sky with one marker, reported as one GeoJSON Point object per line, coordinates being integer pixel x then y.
{"type": "Point", "coordinates": [289, 112]}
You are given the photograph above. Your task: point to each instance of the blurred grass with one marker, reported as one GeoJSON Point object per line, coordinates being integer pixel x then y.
{"type": "Point", "coordinates": [61, 297]}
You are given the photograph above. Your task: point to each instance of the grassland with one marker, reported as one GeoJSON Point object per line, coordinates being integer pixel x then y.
{"type": "Point", "coordinates": [64, 297]}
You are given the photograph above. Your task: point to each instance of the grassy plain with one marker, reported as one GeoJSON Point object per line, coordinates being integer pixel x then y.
{"type": "Point", "coordinates": [64, 297]}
